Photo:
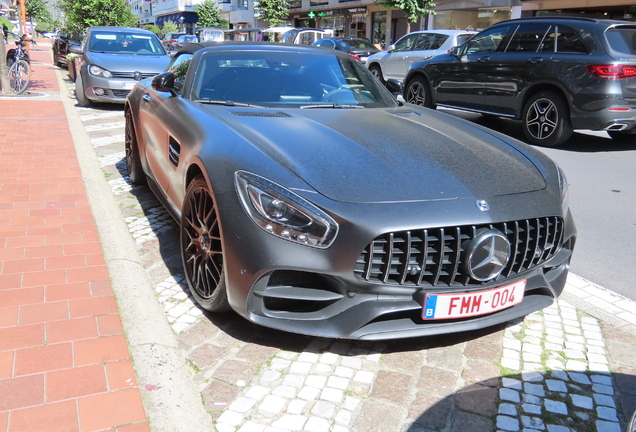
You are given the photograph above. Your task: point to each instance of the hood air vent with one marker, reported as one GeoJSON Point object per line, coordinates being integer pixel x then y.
{"type": "Point", "coordinates": [259, 114]}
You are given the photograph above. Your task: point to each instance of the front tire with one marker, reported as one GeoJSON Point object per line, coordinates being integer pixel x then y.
{"type": "Point", "coordinates": [201, 248]}
{"type": "Point", "coordinates": [377, 72]}
{"type": "Point", "coordinates": [133, 159]}
{"type": "Point", "coordinates": [79, 92]}
{"type": "Point", "coordinates": [418, 92]}
{"type": "Point", "coordinates": [546, 119]}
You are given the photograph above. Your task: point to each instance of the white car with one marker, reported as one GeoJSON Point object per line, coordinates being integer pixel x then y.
{"type": "Point", "coordinates": [420, 45]}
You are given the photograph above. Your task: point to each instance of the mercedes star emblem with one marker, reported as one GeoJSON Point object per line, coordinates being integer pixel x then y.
{"type": "Point", "coordinates": [487, 255]}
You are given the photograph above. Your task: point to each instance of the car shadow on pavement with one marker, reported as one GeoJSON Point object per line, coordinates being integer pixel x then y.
{"type": "Point", "coordinates": [559, 400]}
{"type": "Point", "coordinates": [579, 142]}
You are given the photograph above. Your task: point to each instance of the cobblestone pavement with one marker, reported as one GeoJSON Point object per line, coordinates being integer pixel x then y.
{"type": "Point", "coordinates": [558, 370]}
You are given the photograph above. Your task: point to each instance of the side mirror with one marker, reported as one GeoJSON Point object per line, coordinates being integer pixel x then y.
{"type": "Point", "coordinates": [394, 86]}
{"type": "Point", "coordinates": [391, 48]}
{"type": "Point", "coordinates": [164, 82]}
{"type": "Point", "coordinates": [74, 48]}
{"type": "Point", "coordinates": [455, 50]}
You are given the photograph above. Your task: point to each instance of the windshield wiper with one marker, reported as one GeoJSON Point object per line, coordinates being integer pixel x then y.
{"type": "Point", "coordinates": [330, 106]}
{"type": "Point", "coordinates": [226, 103]}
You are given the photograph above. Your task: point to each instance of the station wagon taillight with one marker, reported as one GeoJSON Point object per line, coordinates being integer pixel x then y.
{"type": "Point", "coordinates": [612, 71]}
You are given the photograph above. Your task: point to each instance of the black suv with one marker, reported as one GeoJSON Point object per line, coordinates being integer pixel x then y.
{"type": "Point", "coordinates": [555, 74]}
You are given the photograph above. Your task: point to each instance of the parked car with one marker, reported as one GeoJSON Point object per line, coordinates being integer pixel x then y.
{"type": "Point", "coordinates": [555, 74]}
{"type": "Point", "coordinates": [170, 38]}
{"type": "Point", "coordinates": [182, 41]}
{"type": "Point", "coordinates": [305, 36]}
{"type": "Point", "coordinates": [359, 49]}
{"type": "Point", "coordinates": [394, 63]}
{"type": "Point", "coordinates": [207, 34]}
{"type": "Point", "coordinates": [112, 60]}
{"type": "Point", "coordinates": [62, 47]}
{"type": "Point", "coordinates": [396, 221]}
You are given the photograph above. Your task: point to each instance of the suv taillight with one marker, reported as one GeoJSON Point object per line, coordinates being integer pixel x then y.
{"type": "Point", "coordinates": [612, 71]}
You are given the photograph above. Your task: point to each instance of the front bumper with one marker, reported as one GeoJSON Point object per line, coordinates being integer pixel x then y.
{"type": "Point", "coordinates": [295, 288]}
{"type": "Point", "coordinates": [114, 90]}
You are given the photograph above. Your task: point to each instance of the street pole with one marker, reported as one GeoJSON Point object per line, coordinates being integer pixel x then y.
{"type": "Point", "coordinates": [24, 27]}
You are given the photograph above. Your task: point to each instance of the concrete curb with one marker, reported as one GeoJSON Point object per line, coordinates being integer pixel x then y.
{"type": "Point", "coordinates": [170, 398]}
{"type": "Point", "coordinates": [601, 303]}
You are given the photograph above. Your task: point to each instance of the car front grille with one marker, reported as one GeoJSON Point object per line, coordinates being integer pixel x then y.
{"type": "Point", "coordinates": [120, 93]}
{"type": "Point", "coordinates": [433, 256]}
{"type": "Point", "coordinates": [131, 75]}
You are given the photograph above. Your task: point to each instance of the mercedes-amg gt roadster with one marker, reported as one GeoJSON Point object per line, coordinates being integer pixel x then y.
{"type": "Point", "coordinates": [310, 200]}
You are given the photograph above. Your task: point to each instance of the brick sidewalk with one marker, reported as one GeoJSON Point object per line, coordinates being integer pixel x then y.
{"type": "Point", "coordinates": [64, 361]}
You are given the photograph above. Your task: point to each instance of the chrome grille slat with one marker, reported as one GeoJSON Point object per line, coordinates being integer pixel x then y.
{"type": "Point", "coordinates": [433, 256]}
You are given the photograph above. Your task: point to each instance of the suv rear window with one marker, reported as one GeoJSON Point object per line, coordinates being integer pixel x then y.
{"type": "Point", "coordinates": [622, 39]}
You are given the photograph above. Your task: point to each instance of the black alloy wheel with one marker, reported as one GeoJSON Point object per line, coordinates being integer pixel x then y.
{"type": "Point", "coordinates": [418, 92]}
{"type": "Point", "coordinates": [133, 160]}
{"type": "Point", "coordinates": [377, 72]}
{"type": "Point", "coordinates": [201, 248]}
{"type": "Point", "coordinates": [546, 120]}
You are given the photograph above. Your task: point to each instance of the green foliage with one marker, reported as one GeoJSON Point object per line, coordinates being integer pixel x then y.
{"type": "Point", "coordinates": [413, 9]}
{"type": "Point", "coordinates": [225, 24]}
{"type": "Point", "coordinates": [37, 11]}
{"type": "Point", "coordinates": [153, 28]}
{"type": "Point", "coordinates": [273, 12]}
{"type": "Point", "coordinates": [44, 26]}
{"type": "Point", "coordinates": [82, 14]}
{"type": "Point", "coordinates": [209, 14]}
{"type": "Point", "coordinates": [169, 27]}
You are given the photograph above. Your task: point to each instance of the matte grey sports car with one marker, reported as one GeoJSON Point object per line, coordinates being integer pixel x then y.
{"type": "Point", "coordinates": [310, 200]}
{"type": "Point", "coordinates": [112, 59]}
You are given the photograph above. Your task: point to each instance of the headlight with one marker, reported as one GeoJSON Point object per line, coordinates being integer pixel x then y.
{"type": "Point", "coordinates": [563, 187]}
{"type": "Point", "coordinates": [97, 71]}
{"type": "Point", "coordinates": [284, 214]}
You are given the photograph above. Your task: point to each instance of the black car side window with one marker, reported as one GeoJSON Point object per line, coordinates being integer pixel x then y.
{"type": "Point", "coordinates": [488, 41]}
{"type": "Point", "coordinates": [179, 66]}
{"type": "Point", "coordinates": [528, 38]}
{"type": "Point", "coordinates": [568, 41]}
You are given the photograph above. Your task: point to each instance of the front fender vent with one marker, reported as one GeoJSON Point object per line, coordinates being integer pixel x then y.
{"type": "Point", "coordinates": [259, 114]}
{"type": "Point", "coordinates": [433, 256]}
{"type": "Point", "coordinates": [174, 151]}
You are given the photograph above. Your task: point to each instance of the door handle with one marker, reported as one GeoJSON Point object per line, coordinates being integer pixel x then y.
{"type": "Point", "coordinates": [484, 59]}
{"type": "Point", "coordinates": [146, 97]}
{"type": "Point", "coordinates": [535, 60]}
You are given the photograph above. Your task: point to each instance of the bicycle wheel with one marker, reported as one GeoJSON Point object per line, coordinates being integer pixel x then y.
{"type": "Point", "coordinates": [19, 76]}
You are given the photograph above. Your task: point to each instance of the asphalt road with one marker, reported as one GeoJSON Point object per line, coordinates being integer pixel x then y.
{"type": "Point", "coordinates": [602, 179]}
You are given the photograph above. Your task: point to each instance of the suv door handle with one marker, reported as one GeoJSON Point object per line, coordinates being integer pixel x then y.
{"type": "Point", "coordinates": [535, 60]}
{"type": "Point", "coordinates": [484, 59]}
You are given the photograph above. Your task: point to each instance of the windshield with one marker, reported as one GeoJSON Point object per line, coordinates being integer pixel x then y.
{"type": "Point", "coordinates": [355, 43]}
{"type": "Point", "coordinates": [124, 43]}
{"type": "Point", "coordinates": [278, 78]}
{"type": "Point", "coordinates": [622, 39]}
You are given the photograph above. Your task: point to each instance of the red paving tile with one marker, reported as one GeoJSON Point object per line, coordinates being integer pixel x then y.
{"type": "Point", "coordinates": [110, 410]}
{"type": "Point", "coordinates": [71, 330]}
{"type": "Point", "coordinates": [52, 417]}
{"type": "Point", "coordinates": [75, 382]}
{"type": "Point", "coordinates": [64, 362]}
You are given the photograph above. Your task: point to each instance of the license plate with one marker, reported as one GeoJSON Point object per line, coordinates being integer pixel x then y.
{"type": "Point", "coordinates": [128, 85]}
{"type": "Point", "coordinates": [447, 306]}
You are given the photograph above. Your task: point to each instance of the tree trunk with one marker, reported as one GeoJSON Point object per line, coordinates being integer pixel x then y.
{"type": "Point", "coordinates": [4, 71]}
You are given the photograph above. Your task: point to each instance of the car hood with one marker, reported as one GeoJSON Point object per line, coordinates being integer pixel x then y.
{"type": "Point", "coordinates": [130, 62]}
{"type": "Point", "coordinates": [386, 155]}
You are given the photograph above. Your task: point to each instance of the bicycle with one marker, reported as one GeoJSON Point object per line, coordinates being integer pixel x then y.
{"type": "Point", "coordinates": [20, 69]}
